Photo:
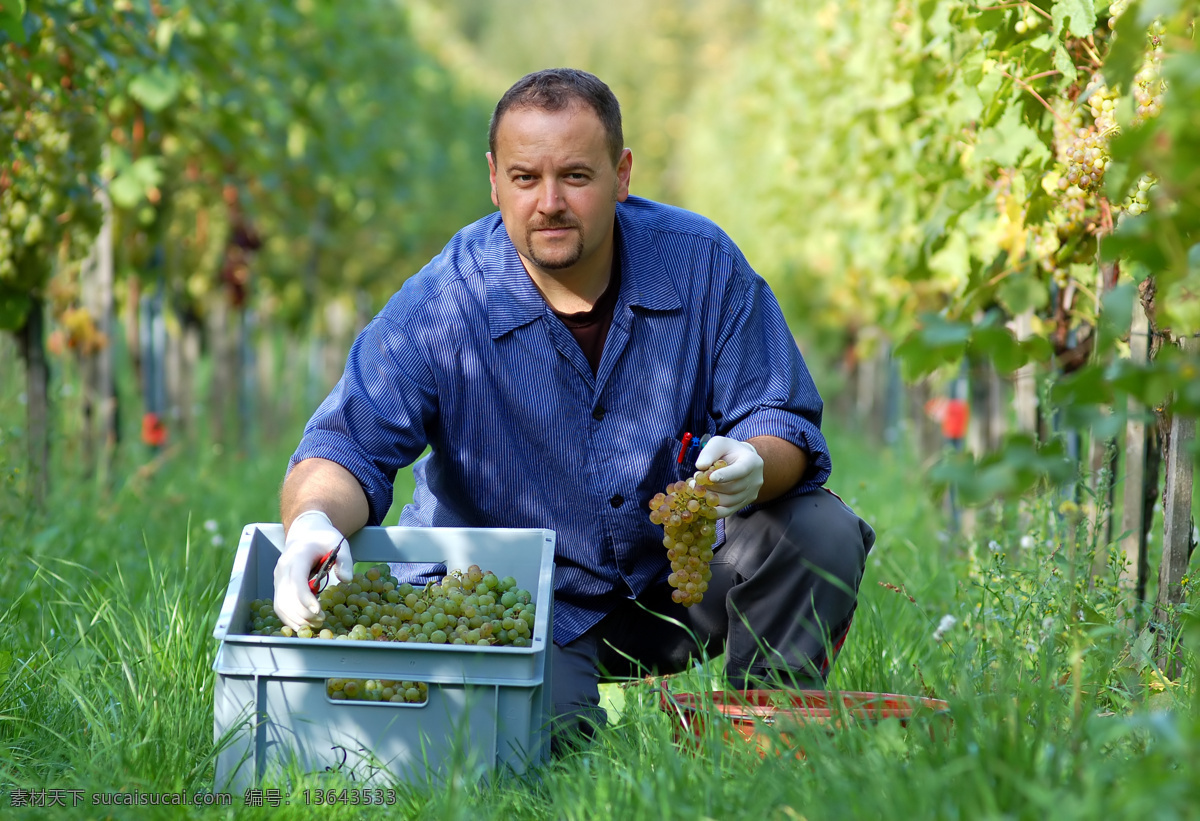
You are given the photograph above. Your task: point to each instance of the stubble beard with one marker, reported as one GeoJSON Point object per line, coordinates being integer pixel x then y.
{"type": "Point", "coordinates": [555, 264]}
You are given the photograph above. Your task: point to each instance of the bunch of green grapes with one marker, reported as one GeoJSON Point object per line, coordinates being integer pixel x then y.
{"type": "Point", "coordinates": [369, 689]}
{"type": "Point", "coordinates": [1028, 21]}
{"type": "Point", "coordinates": [1046, 243]}
{"type": "Point", "coordinates": [1138, 201]}
{"type": "Point", "coordinates": [1102, 105]}
{"type": "Point", "coordinates": [1148, 85]}
{"type": "Point", "coordinates": [1084, 151]}
{"type": "Point", "coordinates": [476, 607]}
{"type": "Point", "coordinates": [1115, 10]}
{"type": "Point", "coordinates": [687, 513]}
{"type": "Point", "coordinates": [1088, 159]}
{"type": "Point", "coordinates": [1067, 122]}
{"type": "Point", "coordinates": [50, 145]}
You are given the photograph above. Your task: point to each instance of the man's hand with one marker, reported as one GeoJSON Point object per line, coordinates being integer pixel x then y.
{"type": "Point", "coordinates": [738, 483]}
{"type": "Point", "coordinates": [310, 537]}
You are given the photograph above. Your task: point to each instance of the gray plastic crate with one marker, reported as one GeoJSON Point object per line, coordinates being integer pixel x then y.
{"type": "Point", "coordinates": [490, 703]}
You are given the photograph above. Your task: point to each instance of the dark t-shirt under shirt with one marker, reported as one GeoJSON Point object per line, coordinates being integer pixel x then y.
{"type": "Point", "coordinates": [590, 328]}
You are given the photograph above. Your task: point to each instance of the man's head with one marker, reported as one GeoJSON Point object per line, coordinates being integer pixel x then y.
{"type": "Point", "coordinates": [556, 89]}
{"type": "Point", "coordinates": [557, 172]}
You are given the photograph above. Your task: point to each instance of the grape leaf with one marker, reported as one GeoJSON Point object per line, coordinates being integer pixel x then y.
{"type": "Point", "coordinates": [1081, 13]}
{"type": "Point", "coordinates": [155, 89]}
{"type": "Point", "coordinates": [1022, 292]}
{"type": "Point", "coordinates": [934, 343]}
{"type": "Point", "coordinates": [13, 308]}
{"type": "Point", "coordinates": [1125, 50]}
{"type": "Point", "coordinates": [129, 187]}
{"type": "Point", "coordinates": [999, 345]}
{"type": "Point", "coordinates": [1018, 466]}
{"type": "Point", "coordinates": [11, 14]}
{"type": "Point", "coordinates": [1005, 142]}
{"type": "Point", "coordinates": [1064, 63]}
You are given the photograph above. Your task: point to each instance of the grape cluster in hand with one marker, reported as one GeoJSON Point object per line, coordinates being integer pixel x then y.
{"type": "Point", "coordinates": [476, 607]}
{"type": "Point", "coordinates": [688, 516]}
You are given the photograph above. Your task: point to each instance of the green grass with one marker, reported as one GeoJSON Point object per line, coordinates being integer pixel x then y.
{"type": "Point", "coordinates": [106, 682]}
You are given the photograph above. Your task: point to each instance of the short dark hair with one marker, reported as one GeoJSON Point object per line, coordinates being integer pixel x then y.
{"type": "Point", "coordinates": [554, 89]}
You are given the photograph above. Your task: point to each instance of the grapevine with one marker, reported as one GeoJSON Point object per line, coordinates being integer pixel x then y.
{"type": "Point", "coordinates": [687, 513]}
{"type": "Point", "coordinates": [475, 607]}
{"type": "Point", "coordinates": [51, 138]}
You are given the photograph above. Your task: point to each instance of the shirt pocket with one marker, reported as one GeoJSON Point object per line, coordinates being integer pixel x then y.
{"type": "Point", "coordinates": [681, 468]}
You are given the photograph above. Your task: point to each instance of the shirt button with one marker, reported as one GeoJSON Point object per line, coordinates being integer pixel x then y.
{"type": "Point", "coordinates": [598, 413]}
{"type": "Point", "coordinates": [617, 500]}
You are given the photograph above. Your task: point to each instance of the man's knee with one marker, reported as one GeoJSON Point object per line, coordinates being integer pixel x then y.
{"type": "Point", "coordinates": [819, 533]}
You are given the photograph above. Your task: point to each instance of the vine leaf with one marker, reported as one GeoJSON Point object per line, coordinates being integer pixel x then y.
{"type": "Point", "coordinates": [155, 89]}
{"type": "Point", "coordinates": [13, 308]}
{"type": "Point", "coordinates": [1007, 140]}
{"type": "Point", "coordinates": [1064, 63]}
{"type": "Point", "coordinates": [1080, 13]}
{"type": "Point", "coordinates": [129, 187]}
{"type": "Point", "coordinates": [11, 14]}
{"type": "Point", "coordinates": [1127, 47]}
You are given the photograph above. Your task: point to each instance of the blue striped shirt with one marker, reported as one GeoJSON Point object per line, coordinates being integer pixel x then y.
{"type": "Point", "coordinates": [469, 359]}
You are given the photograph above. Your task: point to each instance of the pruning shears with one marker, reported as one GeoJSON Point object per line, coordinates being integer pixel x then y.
{"type": "Point", "coordinates": [319, 577]}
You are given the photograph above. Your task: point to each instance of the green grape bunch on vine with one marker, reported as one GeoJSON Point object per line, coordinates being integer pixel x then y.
{"type": "Point", "coordinates": [51, 136]}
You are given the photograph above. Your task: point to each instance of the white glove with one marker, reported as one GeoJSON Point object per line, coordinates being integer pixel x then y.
{"type": "Point", "coordinates": [737, 484]}
{"type": "Point", "coordinates": [309, 538]}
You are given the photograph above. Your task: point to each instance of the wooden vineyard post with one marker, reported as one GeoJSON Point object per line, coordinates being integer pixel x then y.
{"type": "Point", "coordinates": [1025, 381]}
{"type": "Point", "coordinates": [99, 392]}
{"type": "Point", "coordinates": [866, 393]}
{"type": "Point", "coordinates": [1101, 457]}
{"type": "Point", "coordinates": [32, 339]}
{"type": "Point", "coordinates": [1177, 536]}
{"type": "Point", "coordinates": [1133, 524]}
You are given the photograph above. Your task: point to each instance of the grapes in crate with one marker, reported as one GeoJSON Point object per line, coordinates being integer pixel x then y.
{"type": "Point", "coordinates": [370, 689]}
{"type": "Point", "coordinates": [688, 516]}
{"type": "Point", "coordinates": [473, 607]}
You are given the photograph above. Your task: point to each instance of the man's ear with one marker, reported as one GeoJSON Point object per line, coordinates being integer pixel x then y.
{"type": "Point", "coordinates": [492, 178]}
{"type": "Point", "coordinates": [624, 169]}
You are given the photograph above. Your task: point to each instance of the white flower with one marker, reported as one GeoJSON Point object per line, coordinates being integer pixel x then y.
{"type": "Point", "coordinates": [211, 525]}
{"type": "Point", "coordinates": [1027, 542]}
{"type": "Point", "coordinates": [1032, 648]}
{"type": "Point", "coordinates": [218, 540]}
{"type": "Point", "coordinates": [1047, 623]}
{"type": "Point", "coordinates": [994, 546]}
{"type": "Point", "coordinates": [944, 626]}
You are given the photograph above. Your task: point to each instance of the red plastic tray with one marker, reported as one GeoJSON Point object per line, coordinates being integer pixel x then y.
{"type": "Point", "coordinates": [747, 712]}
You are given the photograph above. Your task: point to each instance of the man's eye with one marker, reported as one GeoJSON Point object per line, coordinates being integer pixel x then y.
{"type": "Point", "coordinates": [524, 177]}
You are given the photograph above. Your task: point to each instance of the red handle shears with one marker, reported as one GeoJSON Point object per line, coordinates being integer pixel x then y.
{"type": "Point", "coordinates": [319, 577]}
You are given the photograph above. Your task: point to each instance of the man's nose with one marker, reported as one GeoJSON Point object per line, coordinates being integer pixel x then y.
{"type": "Point", "coordinates": [550, 200]}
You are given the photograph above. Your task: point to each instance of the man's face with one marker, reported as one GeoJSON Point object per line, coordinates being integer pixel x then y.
{"type": "Point", "coordinates": [554, 182]}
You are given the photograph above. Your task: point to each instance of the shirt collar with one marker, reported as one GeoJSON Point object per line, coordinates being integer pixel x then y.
{"type": "Point", "coordinates": [513, 300]}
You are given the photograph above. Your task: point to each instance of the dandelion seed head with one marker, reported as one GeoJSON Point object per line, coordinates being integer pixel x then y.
{"type": "Point", "coordinates": [211, 525]}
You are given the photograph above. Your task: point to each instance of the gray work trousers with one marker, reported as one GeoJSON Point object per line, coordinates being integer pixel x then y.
{"type": "Point", "coordinates": [783, 589]}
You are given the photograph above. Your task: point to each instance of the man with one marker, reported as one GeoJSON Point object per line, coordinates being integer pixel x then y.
{"type": "Point", "coordinates": [553, 356]}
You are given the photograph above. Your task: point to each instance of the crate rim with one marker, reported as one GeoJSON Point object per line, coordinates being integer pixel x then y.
{"type": "Point", "coordinates": [222, 631]}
